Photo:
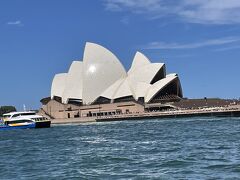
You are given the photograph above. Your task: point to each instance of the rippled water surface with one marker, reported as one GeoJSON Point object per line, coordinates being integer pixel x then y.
{"type": "Point", "coordinates": [152, 149]}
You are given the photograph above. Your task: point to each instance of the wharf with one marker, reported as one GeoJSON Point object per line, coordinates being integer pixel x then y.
{"type": "Point", "coordinates": [233, 111]}
{"type": "Point", "coordinates": [73, 120]}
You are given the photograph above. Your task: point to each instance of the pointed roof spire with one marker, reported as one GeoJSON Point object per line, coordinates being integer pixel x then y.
{"type": "Point", "coordinates": [138, 61]}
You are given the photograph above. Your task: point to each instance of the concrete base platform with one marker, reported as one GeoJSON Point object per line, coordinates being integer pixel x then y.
{"type": "Point", "coordinates": [215, 112]}
{"type": "Point", "coordinates": [73, 120]}
{"type": "Point", "coordinates": [177, 114]}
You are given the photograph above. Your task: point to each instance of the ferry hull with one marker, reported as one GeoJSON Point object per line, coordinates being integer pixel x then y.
{"type": "Point", "coordinates": [43, 124]}
{"type": "Point", "coordinates": [30, 126]}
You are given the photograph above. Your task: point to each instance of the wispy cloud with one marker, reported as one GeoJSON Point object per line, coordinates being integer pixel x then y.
{"type": "Point", "coordinates": [137, 6]}
{"type": "Point", "coordinates": [211, 11]}
{"type": "Point", "coordinates": [206, 43]}
{"type": "Point", "coordinates": [125, 20]}
{"type": "Point", "coordinates": [228, 48]}
{"type": "Point", "coordinates": [193, 11]}
{"type": "Point", "coordinates": [179, 56]}
{"type": "Point", "coordinates": [15, 23]}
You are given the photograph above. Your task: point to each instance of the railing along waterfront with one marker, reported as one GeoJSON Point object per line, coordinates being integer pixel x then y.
{"type": "Point", "coordinates": [173, 112]}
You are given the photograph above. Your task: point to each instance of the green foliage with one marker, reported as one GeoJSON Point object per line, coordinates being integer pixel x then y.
{"type": "Point", "coordinates": [6, 109]}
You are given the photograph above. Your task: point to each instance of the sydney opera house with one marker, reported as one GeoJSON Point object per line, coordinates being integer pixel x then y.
{"type": "Point", "coordinates": [100, 85]}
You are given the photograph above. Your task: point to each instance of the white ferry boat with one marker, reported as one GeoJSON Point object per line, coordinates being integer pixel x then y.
{"type": "Point", "coordinates": [26, 118]}
{"type": "Point", "coordinates": [20, 123]}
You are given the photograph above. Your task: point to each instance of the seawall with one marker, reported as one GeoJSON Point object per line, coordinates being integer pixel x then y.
{"type": "Point", "coordinates": [233, 111]}
{"type": "Point", "coordinates": [73, 120]}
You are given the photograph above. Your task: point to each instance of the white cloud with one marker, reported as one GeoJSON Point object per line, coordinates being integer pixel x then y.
{"type": "Point", "coordinates": [136, 6]}
{"type": "Point", "coordinates": [206, 43]}
{"type": "Point", "coordinates": [193, 11]}
{"type": "Point", "coordinates": [113, 7]}
{"type": "Point", "coordinates": [15, 23]}
{"type": "Point", "coordinates": [211, 11]}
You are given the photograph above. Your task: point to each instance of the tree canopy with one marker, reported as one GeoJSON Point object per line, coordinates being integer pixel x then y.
{"type": "Point", "coordinates": [6, 109]}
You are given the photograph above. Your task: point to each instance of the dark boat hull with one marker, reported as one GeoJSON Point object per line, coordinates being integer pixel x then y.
{"type": "Point", "coordinates": [43, 124]}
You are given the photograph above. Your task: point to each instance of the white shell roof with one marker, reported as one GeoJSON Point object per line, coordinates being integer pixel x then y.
{"type": "Point", "coordinates": [172, 74]}
{"type": "Point", "coordinates": [141, 89]}
{"type": "Point", "coordinates": [158, 86]}
{"type": "Point", "coordinates": [109, 92]}
{"type": "Point", "coordinates": [145, 73]}
{"type": "Point", "coordinates": [74, 82]}
{"type": "Point", "coordinates": [123, 90]}
{"type": "Point", "coordinates": [102, 74]}
{"type": "Point", "coordinates": [101, 68]}
{"type": "Point", "coordinates": [136, 84]}
{"type": "Point", "coordinates": [120, 88]}
{"type": "Point", "coordinates": [138, 61]}
{"type": "Point", "coordinates": [58, 85]}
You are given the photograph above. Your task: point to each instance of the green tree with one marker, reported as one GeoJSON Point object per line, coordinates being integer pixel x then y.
{"type": "Point", "coordinates": [6, 109]}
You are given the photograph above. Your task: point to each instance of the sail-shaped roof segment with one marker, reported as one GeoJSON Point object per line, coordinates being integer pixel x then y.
{"type": "Point", "coordinates": [58, 85]}
{"type": "Point", "coordinates": [141, 89]}
{"type": "Point", "coordinates": [124, 90]}
{"type": "Point", "coordinates": [74, 82]}
{"type": "Point", "coordinates": [110, 91]}
{"type": "Point", "coordinates": [138, 61]}
{"type": "Point", "coordinates": [101, 68]}
{"type": "Point", "coordinates": [146, 73]}
{"type": "Point", "coordinates": [158, 86]}
{"type": "Point", "coordinates": [172, 74]}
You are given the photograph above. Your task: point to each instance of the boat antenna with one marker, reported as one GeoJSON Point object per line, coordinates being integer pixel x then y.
{"type": "Point", "coordinates": [24, 107]}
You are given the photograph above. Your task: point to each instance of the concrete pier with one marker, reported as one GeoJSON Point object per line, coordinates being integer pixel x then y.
{"type": "Point", "coordinates": [174, 114]}
{"type": "Point", "coordinates": [73, 120]}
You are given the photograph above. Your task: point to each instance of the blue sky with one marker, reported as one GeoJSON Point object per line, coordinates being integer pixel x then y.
{"type": "Point", "coordinates": [198, 39]}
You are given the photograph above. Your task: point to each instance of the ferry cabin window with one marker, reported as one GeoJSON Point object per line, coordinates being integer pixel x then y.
{"type": "Point", "coordinates": [19, 121]}
{"type": "Point", "coordinates": [7, 116]}
{"type": "Point", "coordinates": [16, 115]}
{"type": "Point", "coordinates": [28, 114]}
{"type": "Point", "coordinates": [40, 119]}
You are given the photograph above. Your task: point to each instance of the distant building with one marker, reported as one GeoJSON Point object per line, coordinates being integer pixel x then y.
{"type": "Point", "coordinates": [101, 80]}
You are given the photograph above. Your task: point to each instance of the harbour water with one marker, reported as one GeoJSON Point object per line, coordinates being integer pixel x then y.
{"type": "Point", "coordinates": [194, 148]}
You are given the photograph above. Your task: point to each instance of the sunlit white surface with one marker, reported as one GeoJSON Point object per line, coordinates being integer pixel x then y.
{"type": "Point", "coordinates": [139, 60]}
{"type": "Point", "coordinates": [58, 85]}
{"type": "Point", "coordinates": [146, 73]}
{"type": "Point", "coordinates": [92, 69]}
{"type": "Point", "coordinates": [123, 90]}
{"type": "Point", "coordinates": [101, 68]}
{"type": "Point", "coordinates": [141, 89]}
{"type": "Point", "coordinates": [158, 86]}
{"type": "Point", "coordinates": [172, 74]}
{"type": "Point", "coordinates": [74, 82]}
{"type": "Point", "coordinates": [110, 91]}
